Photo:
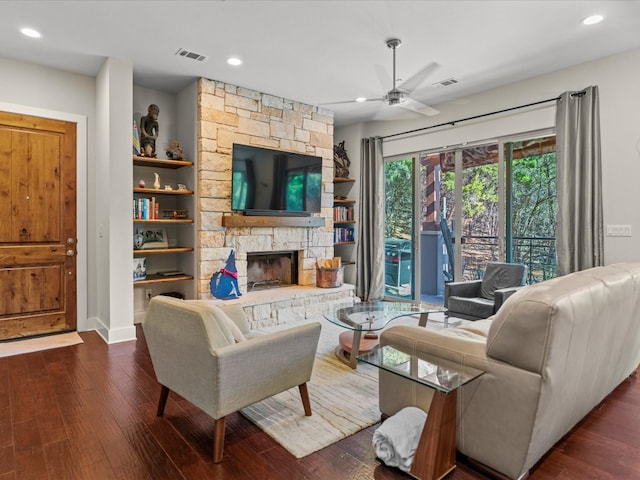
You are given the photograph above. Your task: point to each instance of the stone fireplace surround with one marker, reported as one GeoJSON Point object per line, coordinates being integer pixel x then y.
{"type": "Point", "coordinates": [226, 115]}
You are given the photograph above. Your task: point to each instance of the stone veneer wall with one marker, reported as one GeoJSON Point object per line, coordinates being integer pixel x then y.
{"type": "Point", "coordinates": [226, 115]}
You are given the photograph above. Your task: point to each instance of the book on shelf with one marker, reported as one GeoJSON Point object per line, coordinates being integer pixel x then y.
{"type": "Point", "coordinates": [343, 234]}
{"type": "Point", "coordinates": [170, 273]}
{"type": "Point", "coordinates": [342, 214]}
{"type": "Point", "coordinates": [146, 208]}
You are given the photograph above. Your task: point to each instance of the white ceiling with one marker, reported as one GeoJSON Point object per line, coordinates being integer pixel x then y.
{"type": "Point", "coordinates": [317, 52]}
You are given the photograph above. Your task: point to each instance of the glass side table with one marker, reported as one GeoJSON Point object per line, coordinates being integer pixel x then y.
{"type": "Point", "coordinates": [362, 321]}
{"type": "Point", "coordinates": [435, 455]}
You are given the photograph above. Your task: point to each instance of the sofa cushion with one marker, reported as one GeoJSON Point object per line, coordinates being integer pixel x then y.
{"type": "Point", "coordinates": [500, 275]}
{"type": "Point", "coordinates": [474, 307]}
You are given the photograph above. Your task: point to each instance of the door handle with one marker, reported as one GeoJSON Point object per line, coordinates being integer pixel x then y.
{"type": "Point", "coordinates": [70, 253]}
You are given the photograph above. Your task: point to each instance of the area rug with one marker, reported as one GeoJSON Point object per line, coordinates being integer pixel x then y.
{"type": "Point", "coordinates": [17, 347]}
{"type": "Point", "coordinates": [343, 402]}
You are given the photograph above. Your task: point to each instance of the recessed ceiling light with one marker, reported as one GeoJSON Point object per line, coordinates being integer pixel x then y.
{"type": "Point", "coordinates": [30, 32]}
{"type": "Point", "coordinates": [361, 99]}
{"type": "Point", "coordinates": [235, 61]}
{"type": "Point", "coordinates": [592, 20]}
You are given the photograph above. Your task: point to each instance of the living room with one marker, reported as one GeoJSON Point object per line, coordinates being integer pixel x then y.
{"type": "Point", "coordinates": [102, 107]}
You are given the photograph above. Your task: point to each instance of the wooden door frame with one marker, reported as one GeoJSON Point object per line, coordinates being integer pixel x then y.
{"type": "Point", "coordinates": [81, 199]}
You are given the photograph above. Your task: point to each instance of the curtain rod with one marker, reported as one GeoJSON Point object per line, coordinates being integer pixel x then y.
{"type": "Point", "coordinates": [453, 122]}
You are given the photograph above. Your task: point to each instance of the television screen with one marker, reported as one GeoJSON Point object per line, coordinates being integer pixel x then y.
{"type": "Point", "coordinates": [271, 182]}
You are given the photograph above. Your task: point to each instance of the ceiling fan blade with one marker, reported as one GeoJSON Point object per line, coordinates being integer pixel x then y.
{"type": "Point", "coordinates": [353, 101]}
{"type": "Point", "coordinates": [386, 81]}
{"type": "Point", "coordinates": [413, 82]}
{"type": "Point", "coordinates": [418, 107]}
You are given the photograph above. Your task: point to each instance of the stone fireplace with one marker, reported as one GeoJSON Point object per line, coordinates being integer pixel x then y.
{"type": "Point", "coordinates": [226, 115]}
{"type": "Point", "coordinates": [271, 269]}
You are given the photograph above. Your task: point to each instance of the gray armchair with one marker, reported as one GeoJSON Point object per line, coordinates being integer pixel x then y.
{"type": "Point", "coordinates": [208, 358]}
{"type": "Point", "coordinates": [477, 299]}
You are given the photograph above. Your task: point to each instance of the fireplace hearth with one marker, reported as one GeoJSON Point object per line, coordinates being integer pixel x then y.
{"type": "Point", "coordinates": [271, 269]}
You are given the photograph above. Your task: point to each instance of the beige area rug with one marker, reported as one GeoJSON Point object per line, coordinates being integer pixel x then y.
{"type": "Point", "coordinates": [17, 347]}
{"type": "Point", "coordinates": [343, 402]}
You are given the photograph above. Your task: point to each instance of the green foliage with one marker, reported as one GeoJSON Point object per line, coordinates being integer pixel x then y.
{"type": "Point", "coordinates": [398, 192]}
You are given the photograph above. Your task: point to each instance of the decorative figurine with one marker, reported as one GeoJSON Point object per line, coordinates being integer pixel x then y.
{"type": "Point", "coordinates": [149, 131]}
{"type": "Point", "coordinates": [138, 241]}
{"type": "Point", "coordinates": [141, 183]}
{"type": "Point", "coordinates": [341, 161]}
{"type": "Point", "coordinates": [156, 182]}
{"type": "Point", "coordinates": [174, 150]}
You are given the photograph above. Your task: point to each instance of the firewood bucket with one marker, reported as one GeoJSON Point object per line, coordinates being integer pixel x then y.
{"type": "Point", "coordinates": [329, 277]}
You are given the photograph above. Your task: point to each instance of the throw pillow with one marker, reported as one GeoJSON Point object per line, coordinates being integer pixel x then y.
{"type": "Point", "coordinates": [237, 335]}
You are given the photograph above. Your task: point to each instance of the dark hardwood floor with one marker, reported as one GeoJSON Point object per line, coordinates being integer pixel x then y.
{"type": "Point", "coordinates": [88, 412]}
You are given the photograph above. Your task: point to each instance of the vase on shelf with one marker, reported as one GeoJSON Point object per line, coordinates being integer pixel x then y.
{"type": "Point", "coordinates": [156, 182]}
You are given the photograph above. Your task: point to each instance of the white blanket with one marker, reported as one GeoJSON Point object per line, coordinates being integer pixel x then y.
{"type": "Point", "coordinates": [396, 440]}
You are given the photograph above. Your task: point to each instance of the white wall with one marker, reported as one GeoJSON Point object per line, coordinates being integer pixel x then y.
{"type": "Point", "coordinates": [113, 203]}
{"type": "Point", "coordinates": [102, 109]}
{"type": "Point", "coordinates": [616, 77]}
{"type": "Point", "coordinates": [34, 90]}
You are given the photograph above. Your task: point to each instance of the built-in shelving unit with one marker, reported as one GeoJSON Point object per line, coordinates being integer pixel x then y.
{"type": "Point", "coordinates": [167, 210]}
{"type": "Point", "coordinates": [344, 223]}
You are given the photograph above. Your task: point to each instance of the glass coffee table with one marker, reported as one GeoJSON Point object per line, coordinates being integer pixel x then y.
{"type": "Point", "coordinates": [362, 321]}
{"type": "Point", "coordinates": [435, 454]}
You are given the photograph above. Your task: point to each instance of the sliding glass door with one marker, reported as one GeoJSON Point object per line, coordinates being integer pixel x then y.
{"type": "Point", "coordinates": [493, 201]}
{"type": "Point", "coordinates": [399, 251]}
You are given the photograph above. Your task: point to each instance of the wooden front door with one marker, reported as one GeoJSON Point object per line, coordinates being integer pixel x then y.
{"type": "Point", "coordinates": [37, 226]}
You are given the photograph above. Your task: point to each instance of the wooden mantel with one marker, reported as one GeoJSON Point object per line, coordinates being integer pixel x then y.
{"type": "Point", "coordinates": [271, 221]}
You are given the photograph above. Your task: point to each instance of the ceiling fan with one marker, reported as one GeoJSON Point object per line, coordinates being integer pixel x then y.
{"type": "Point", "coordinates": [400, 95]}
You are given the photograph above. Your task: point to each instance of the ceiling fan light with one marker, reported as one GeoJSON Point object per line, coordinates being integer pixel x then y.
{"type": "Point", "coordinates": [30, 32]}
{"type": "Point", "coordinates": [361, 99]}
{"type": "Point", "coordinates": [592, 20]}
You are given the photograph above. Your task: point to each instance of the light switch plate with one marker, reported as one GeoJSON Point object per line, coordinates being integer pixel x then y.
{"type": "Point", "coordinates": [618, 230]}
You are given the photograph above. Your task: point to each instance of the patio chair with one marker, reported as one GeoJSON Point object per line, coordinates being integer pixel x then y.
{"type": "Point", "coordinates": [478, 299]}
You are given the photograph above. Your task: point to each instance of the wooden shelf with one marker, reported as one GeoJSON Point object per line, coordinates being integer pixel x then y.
{"type": "Point", "coordinates": [345, 201]}
{"type": "Point", "coordinates": [153, 278]}
{"type": "Point", "coordinates": [343, 180]}
{"type": "Point", "coordinates": [161, 191]}
{"type": "Point", "coordinates": [344, 243]}
{"type": "Point", "coordinates": [147, 251]}
{"type": "Point", "coordinates": [347, 263]}
{"type": "Point", "coordinates": [345, 222]}
{"type": "Point", "coordinates": [165, 220]}
{"type": "Point", "coordinates": [271, 221]}
{"type": "Point", "coordinates": [160, 163]}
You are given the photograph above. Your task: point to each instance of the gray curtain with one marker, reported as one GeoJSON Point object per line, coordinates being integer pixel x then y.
{"type": "Point", "coordinates": [370, 249]}
{"type": "Point", "coordinates": [579, 230]}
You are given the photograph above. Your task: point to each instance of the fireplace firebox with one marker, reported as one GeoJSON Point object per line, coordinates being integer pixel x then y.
{"type": "Point", "coordinates": [271, 269]}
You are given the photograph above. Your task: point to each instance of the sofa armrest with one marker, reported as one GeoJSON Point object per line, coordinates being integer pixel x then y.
{"type": "Point", "coordinates": [461, 289]}
{"type": "Point", "coordinates": [502, 294]}
{"type": "Point", "coordinates": [454, 344]}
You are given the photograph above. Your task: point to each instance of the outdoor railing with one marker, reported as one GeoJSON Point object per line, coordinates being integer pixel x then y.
{"type": "Point", "coordinates": [537, 253]}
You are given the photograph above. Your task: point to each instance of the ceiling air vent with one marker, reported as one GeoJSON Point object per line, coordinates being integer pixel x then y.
{"type": "Point", "coordinates": [192, 55]}
{"type": "Point", "coordinates": [447, 82]}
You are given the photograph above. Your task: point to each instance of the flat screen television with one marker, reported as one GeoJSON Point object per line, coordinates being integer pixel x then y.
{"type": "Point", "coordinates": [274, 182]}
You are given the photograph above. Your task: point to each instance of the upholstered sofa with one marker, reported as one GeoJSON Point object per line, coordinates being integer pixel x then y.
{"type": "Point", "coordinates": [551, 354]}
